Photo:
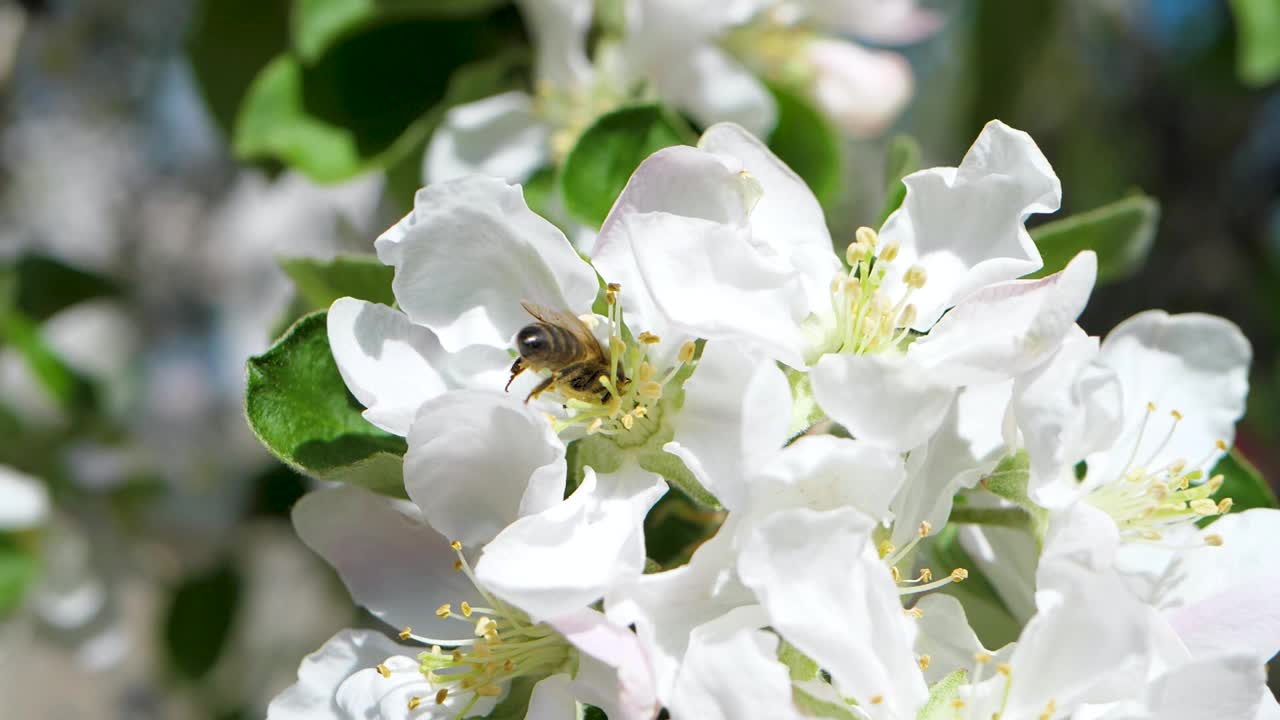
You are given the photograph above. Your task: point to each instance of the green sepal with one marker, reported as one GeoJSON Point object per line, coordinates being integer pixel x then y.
{"type": "Point", "coordinates": [320, 282]}
{"type": "Point", "coordinates": [813, 706]}
{"type": "Point", "coordinates": [799, 666]}
{"type": "Point", "coordinates": [1121, 233]}
{"type": "Point", "coordinates": [1008, 481]}
{"type": "Point", "coordinates": [939, 705]}
{"type": "Point", "coordinates": [301, 410]}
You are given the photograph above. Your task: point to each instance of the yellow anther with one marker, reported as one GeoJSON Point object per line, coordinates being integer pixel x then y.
{"type": "Point", "coordinates": [866, 236]}
{"type": "Point", "coordinates": [856, 252]}
{"type": "Point", "coordinates": [484, 626]}
{"type": "Point", "coordinates": [613, 287]}
{"type": "Point", "coordinates": [982, 658]}
{"type": "Point", "coordinates": [489, 690]}
{"type": "Point", "coordinates": [897, 576]}
{"type": "Point", "coordinates": [650, 390]}
{"type": "Point", "coordinates": [383, 670]}
{"type": "Point", "coordinates": [455, 545]}
{"type": "Point", "coordinates": [923, 661]}
{"type": "Point", "coordinates": [925, 529]}
{"type": "Point", "coordinates": [1177, 466]}
{"type": "Point", "coordinates": [649, 338]}
{"type": "Point", "coordinates": [889, 252]}
{"type": "Point", "coordinates": [1151, 407]}
{"type": "Point", "coordinates": [914, 612]}
{"type": "Point", "coordinates": [444, 611]}
{"type": "Point", "coordinates": [627, 421]}
{"type": "Point", "coordinates": [1224, 505]}
{"type": "Point", "coordinates": [441, 695]}
{"type": "Point", "coordinates": [1221, 445]}
{"type": "Point", "coordinates": [959, 574]}
{"type": "Point", "coordinates": [957, 703]}
{"type": "Point", "coordinates": [456, 656]}
{"type": "Point", "coordinates": [915, 277]}
{"type": "Point", "coordinates": [406, 633]}
{"type": "Point", "coordinates": [686, 351]}
{"type": "Point", "coordinates": [885, 548]}
{"type": "Point", "coordinates": [646, 372]}
{"type": "Point", "coordinates": [877, 699]}
{"type": "Point", "coordinates": [1213, 540]}
{"type": "Point", "coordinates": [1151, 535]}
{"type": "Point", "coordinates": [1004, 669]}
{"type": "Point", "coordinates": [640, 411]}
{"type": "Point", "coordinates": [1204, 506]}
{"type": "Point", "coordinates": [414, 702]}
{"type": "Point", "coordinates": [610, 297]}
{"type": "Point", "coordinates": [466, 608]}
{"type": "Point", "coordinates": [509, 666]}
{"type": "Point", "coordinates": [1050, 709]}
{"type": "Point", "coordinates": [1176, 415]}
{"type": "Point", "coordinates": [1215, 483]}
{"type": "Point", "coordinates": [457, 565]}
{"type": "Point", "coordinates": [437, 651]}
{"type": "Point", "coordinates": [595, 426]}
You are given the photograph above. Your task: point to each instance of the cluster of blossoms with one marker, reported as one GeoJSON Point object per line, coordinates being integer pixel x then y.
{"type": "Point", "coordinates": [841, 414]}
{"type": "Point", "coordinates": [713, 62]}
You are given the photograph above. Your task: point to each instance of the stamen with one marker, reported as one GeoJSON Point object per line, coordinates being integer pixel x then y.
{"type": "Point", "coordinates": [915, 277]}
{"type": "Point", "coordinates": [414, 702]}
{"type": "Point", "coordinates": [406, 633]}
{"type": "Point", "coordinates": [1213, 540]}
{"type": "Point", "coordinates": [383, 670]}
{"type": "Point", "coordinates": [442, 695]}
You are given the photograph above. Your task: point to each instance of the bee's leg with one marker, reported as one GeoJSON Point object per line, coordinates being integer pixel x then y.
{"type": "Point", "coordinates": [585, 379]}
{"type": "Point", "coordinates": [517, 367]}
{"type": "Point", "coordinates": [542, 386]}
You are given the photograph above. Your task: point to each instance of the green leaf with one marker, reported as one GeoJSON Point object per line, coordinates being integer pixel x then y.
{"type": "Point", "coordinates": [901, 159]}
{"type": "Point", "coordinates": [799, 666]}
{"type": "Point", "coordinates": [673, 470]}
{"type": "Point", "coordinates": [805, 141]}
{"type": "Point", "coordinates": [1241, 482]}
{"type": "Point", "coordinates": [317, 24]}
{"type": "Point", "coordinates": [938, 706]}
{"type": "Point", "coordinates": [515, 704]}
{"type": "Point", "coordinates": [988, 615]}
{"type": "Point", "coordinates": [18, 568]}
{"type": "Point", "coordinates": [1121, 233]}
{"type": "Point", "coordinates": [231, 41]}
{"type": "Point", "coordinates": [198, 623]}
{"type": "Point", "coordinates": [1257, 49]}
{"type": "Point", "coordinates": [67, 387]}
{"type": "Point", "coordinates": [45, 286]}
{"type": "Point", "coordinates": [368, 100]}
{"type": "Point", "coordinates": [601, 162]}
{"type": "Point", "coordinates": [301, 410]}
{"type": "Point", "coordinates": [320, 282]}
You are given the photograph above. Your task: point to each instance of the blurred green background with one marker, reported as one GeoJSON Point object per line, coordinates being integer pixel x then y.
{"type": "Point", "coordinates": [142, 209]}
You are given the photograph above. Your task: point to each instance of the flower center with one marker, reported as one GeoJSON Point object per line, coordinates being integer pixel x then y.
{"type": "Point", "coordinates": [866, 319]}
{"type": "Point", "coordinates": [633, 411]}
{"type": "Point", "coordinates": [502, 645]}
{"type": "Point", "coordinates": [1146, 501]}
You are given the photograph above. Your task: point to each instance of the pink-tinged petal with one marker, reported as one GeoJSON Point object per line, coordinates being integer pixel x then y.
{"type": "Point", "coordinates": [470, 252]}
{"type": "Point", "coordinates": [862, 90]}
{"type": "Point", "coordinates": [393, 367]}
{"type": "Point", "coordinates": [736, 412]}
{"type": "Point", "coordinates": [498, 136]}
{"type": "Point", "coordinates": [964, 225]}
{"type": "Point", "coordinates": [392, 564]}
{"type": "Point", "coordinates": [886, 400]}
{"type": "Point", "coordinates": [1197, 365]}
{"type": "Point", "coordinates": [313, 697]}
{"type": "Point", "coordinates": [568, 556]}
{"type": "Point", "coordinates": [797, 561]}
{"type": "Point", "coordinates": [1007, 329]}
{"type": "Point", "coordinates": [732, 671]}
{"type": "Point", "coordinates": [613, 671]}
{"type": "Point", "coordinates": [892, 22]}
{"type": "Point", "coordinates": [478, 460]}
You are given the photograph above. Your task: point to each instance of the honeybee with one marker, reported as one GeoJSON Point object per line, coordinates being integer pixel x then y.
{"type": "Point", "coordinates": [563, 344]}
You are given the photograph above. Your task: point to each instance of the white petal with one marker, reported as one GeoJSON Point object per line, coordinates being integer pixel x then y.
{"type": "Point", "coordinates": [1082, 535]}
{"type": "Point", "coordinates": [470, 251]}
{"type": "Point", "coordinates": [886, 400]}
{"type": "Point", "coordinates": [665, 607]}
{"type": "Point", "coordinates": [479, 460]}
{"type": "Point", "coordinates": [398, 568]}
{"type": "Point", "coordinates": [498, 136]}
{"type": "Point", "coordinates": [559, 30]}
{"type": "Point", "coordinates": [393, 366]}
{"type": "Point", "coordinates": [1224, 598]}
{"type": "Point", "coordinates": [735, 415]}
{"type": "Point", "coordinates": [945, 636]}
{"type": "Point", "coordinates": [1195, 364]}
{"type": "Point", "coordinates": [798, 561]}
{"type": "Point", "coordinates": [567, 557]}
{"type": "Point", "coordinates": [731, 671]}
{"type": "Point", "coordinates": [24, 501]}
{"type": "Point", "coordinates": [862, 90]}
{"type": "Point", "coordinates": [711, 282]}
{"type": "Point", "coordinates": [552, 699]}
{"type": "Point", "coordinates": [824, 472]}
{"type": "Point", "coordinates": [967, 446]}
{"type": "Point", "coordinates": [1009, 328]}
{"type": "Point", "coordinates": [713, 87]}
{"type": "Point", "coordinates": [964, 225]}
{"type": "Point", "coordinates": [787, 219]}
{"type": "Point", "coordinates": [1224, 687]}
{"type": "Point", "coordinates": [321, 672]}
{"type": "Point", "coordinates": [613, 672]}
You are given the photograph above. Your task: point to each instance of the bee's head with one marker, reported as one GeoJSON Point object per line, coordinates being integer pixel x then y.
{"type": "Point", "coordinates": [532, 342]}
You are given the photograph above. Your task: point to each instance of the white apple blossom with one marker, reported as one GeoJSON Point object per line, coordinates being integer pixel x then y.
{"type": "Point", "coordinates": [24, 501]}
{"type": "Point", "coordinates": [479, 632]}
